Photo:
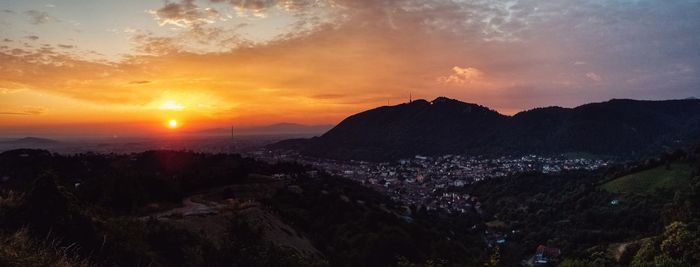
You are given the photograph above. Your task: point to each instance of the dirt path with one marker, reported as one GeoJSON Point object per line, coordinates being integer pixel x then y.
{"type": "Point", "coordinates": [192, 208]}
{"type": "Point", "coordinates": [207, 219]}
{"type": "Point", "coordinates": [189, 208]}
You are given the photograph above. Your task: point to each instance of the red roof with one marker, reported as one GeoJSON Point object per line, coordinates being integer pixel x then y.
{"type": "Point", "coordinates": [549, 252]}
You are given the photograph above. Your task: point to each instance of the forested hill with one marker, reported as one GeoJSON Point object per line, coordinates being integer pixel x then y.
{"type": "Point", "coordinates": [111, 210]}
{"type": "Point", "coordinates": [627, 128]}
{"type": "Point", "coordinates": [131, 210]}
{"type": "Point", "coordinates": [638, 214]}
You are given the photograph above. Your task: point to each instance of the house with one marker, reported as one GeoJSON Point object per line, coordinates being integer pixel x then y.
{"type": "Point", "coordinates": [544, 254]}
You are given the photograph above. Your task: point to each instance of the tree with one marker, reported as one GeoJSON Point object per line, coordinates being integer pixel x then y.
{"type": "Point", "coordinates": [576, 263]}
{"type": "Point", "coordinates": [495, 258]}
{"type": "Point", "coordinates": [645, 254]}
{"type": "Point", "coordinates": [676, 240]}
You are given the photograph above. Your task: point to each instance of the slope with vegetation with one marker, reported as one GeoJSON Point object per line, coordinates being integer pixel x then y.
{"type": "Point", "coordinates": [622, 128]}
{"type": "Point", "coordinates": [91, 209]}
{"type": "Point", "coordinates": [610, 218]}
{"type": "Point", "coordinates": [673, 177]}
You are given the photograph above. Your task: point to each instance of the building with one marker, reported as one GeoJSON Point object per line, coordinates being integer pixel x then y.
{"type": "Point", "coordinates": [545, 255]}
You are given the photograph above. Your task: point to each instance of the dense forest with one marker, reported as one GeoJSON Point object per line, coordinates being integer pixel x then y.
{"type": "Point", "coordinates": [95, 209]}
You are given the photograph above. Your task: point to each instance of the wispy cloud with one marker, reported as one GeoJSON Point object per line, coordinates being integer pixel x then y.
{"type": "Point", "coordinates": [139, 82]}
{"type": "Point", "coordinates": [24, 112]}
{"type": "Point", "coordinates": [37, 17]}
{"type": "Point", "coordinates": [594, 77]}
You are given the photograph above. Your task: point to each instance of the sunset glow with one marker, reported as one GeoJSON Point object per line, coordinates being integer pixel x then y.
{"type": "Point", "coordinates": [172, 123]}
{"type": "Point", "coordinates": [171, 105]}
{"type": "Point", "coordinates": [127, 64]}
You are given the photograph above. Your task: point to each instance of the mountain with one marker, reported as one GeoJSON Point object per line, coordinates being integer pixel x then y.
{"type": "Point", "coordinates": [273, 129]}
{"type": "Point", "coordinates": [30, 141]}
{"type": "Point", "coordinates": [619, 127]}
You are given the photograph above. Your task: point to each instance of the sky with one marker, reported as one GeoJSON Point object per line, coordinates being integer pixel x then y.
{"type": "Point", "coordinates": [131, 66]}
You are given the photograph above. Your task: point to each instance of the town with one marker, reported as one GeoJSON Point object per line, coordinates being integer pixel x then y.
{"type": "Point", "coordinates": [429, 182]}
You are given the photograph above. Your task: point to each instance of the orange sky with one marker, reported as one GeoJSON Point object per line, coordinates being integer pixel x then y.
{"type": "Point", "coordinates": [134, 65]}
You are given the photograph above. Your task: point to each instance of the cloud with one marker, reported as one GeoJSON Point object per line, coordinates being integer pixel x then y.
{"type": "Point", "coordinates": [462, 76]}
{"type": "Point", "coordinates": [184, 14]}
{"type": "Point", "coordinates": [39, 17]}
{"type": "Point", "coordinates": [65, 46]}
{"type": "Point", "coordinates": [328, 96]}
{"type": "Point", "coordinates": [139, 82]}
{"type": "Point", "coordinates": [7, 91]}
{"type": "Point", "coordinates": [593, 77]}
{"type": "Point", "coordinates": [25, 111]}
{"type": "Point", "coordinates": [154, 45]}
{"type": "Point", "coordinates": [485, 20]}
{"type": "Point", "coordinates": [519, 54]}
{"type": "Point", "coordinates": [261, 6]}
{"type": "Point", "coordinates": [8, 11]}
{"type": "Point", "coordinates": [200, 34]}
{"type": "Point", "coordinates": [33, 37]}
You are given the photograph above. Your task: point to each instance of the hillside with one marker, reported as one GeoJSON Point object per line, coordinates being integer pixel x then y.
{"type": "Point", "coordinates": [593, 226]}
{"type": "Point", "coordinates": [668, 177]}
{"type": "Point", "coordinates": [166, 208]}
{"type": "Point", "coordinates": [29, 141]}
{"type": "Point", "coordinates": [625, 128]}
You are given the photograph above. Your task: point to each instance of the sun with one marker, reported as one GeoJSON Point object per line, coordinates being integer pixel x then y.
{"type": "Point", "coordinates": [172, 123]}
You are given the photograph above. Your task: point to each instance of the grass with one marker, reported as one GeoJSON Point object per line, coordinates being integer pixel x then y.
{"type": "Point", "coordinates": [18, 249]}
{"type": "Point", "coordinates": [648, 181]}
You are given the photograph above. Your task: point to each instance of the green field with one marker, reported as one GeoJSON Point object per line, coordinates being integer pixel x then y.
{"type": "Point", "coordinates": [646, 182]}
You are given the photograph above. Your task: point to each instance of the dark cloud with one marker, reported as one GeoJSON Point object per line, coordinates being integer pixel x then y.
{"type": "Point", "coordinates": [139, 82]}
{"type": "Point", "coordinates": [8, 11]}
{"type": "Point", "coordinates": [33, 37]}
{"type": "Point", "coordinates": [65, 46]}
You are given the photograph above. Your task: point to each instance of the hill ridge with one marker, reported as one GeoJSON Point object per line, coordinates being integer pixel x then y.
{"type": "Point", "coordinates": [618, 127]}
